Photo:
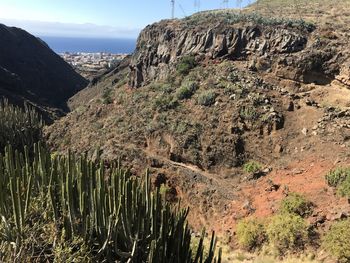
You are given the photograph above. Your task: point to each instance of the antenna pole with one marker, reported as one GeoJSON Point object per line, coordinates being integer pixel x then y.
{"type": "Point", "coordinates": [197, 5]}
{"type": "Point", "coordinates": [172, 9]}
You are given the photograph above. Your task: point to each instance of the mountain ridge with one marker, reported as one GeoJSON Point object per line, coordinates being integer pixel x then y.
{"type": "Point", "coordinates": [32, 72]}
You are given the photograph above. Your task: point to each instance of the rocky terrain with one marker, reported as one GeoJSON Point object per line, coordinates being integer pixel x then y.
{"type": "Point", "coordinates": [202, 97]}
{"type": "Point", "coordinates": [30, 71]}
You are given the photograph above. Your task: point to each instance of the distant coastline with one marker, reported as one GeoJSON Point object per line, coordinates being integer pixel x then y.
{"type": "Point", "coordinates": [90, 45]}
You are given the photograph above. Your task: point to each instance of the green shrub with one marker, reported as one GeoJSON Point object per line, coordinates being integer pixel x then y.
{"type": "Point", "coordinates": [340, 178]}
{"type": "Point", "coordinates": [207, 98]}
{"type": "Point", "coordinates": [287, 231]}
{"type": "Point", "coordinates": [297, 204]}
{"type": "Point", "coordinates": [186, 64]}
{"type": "Point", "coordinates": [248, 113]}
{"type": "Point", "coordinates": [165, 102]}
{"type": "Point", "coordinates": [107, 96]}
{"type": "Point", "coordinates": [344, 188]}
{"type": "Point", "coordinates": [161, 86]}
{"type": "Point", "coordinates": [250, 233]}
{"type": "Point", "coordinates": [252, 167]}
{"type": "Point", "coordinates": [233, 77]}
{"type": "Point", "coordinates": [337, 240]}
{"type": "Point", "coordinates": [337, 176]}
{"type": "Point", "coordinates": [187, 90]}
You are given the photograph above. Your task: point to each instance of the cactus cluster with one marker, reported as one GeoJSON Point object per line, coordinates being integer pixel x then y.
{"type": "Point", "coordinates": [19, 126]}
{"type": "Point", "coordinates": [116, 214]}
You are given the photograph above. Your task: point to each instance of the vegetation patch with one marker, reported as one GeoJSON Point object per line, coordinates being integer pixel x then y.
{"type": "Point", "coordinates": [340, 178]}
{"type": "Point", "coordinates": [252, 167]}
{"type": "Point", "coordinates": [250, 233]}
{"type": "Point", "coordinates": [232, 17]}
{"type": "Point", "coordinates": [162, 87]}
{"type": "Point", "coordinates": [287, 231]}
{"type": "Point", "coordinates": [344, 188]}
{"type": "Point", "coordinates": [107, 96]}
{"type": "Point", "coordinates": [70, 208]}
{"type": "Point", "coordinates": [337, 176]}
{"type": "Point", "coordinates": [337, 242]}
{"type": "Point", "coordinates": [206, 98]}
{"type": "Point", "coordinates": [248, 113]}
{"type": "Point", "coordinates": [165, 102]}
{"type": "Point", "coordinates": [19, 127]}
{"type": "Point", "coordinates": [185, 65]}
{"type": "Point", "coordinates": [297, 204]}
{"type": "Point", "coordinates": [186, 90]}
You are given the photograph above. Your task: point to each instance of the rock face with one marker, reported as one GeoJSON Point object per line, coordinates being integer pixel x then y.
{"type": "Point", "coordinates": [290, 52]}
{"type": "Point", "coordinates": [160, 46]}
{"type": "Point", "coordinates": [31, 71]}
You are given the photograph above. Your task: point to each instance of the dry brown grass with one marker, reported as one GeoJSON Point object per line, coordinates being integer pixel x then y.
{"type": "Point", "coordinates": [332, 12]}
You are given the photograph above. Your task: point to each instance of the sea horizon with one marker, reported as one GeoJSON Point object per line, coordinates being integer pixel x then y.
{"type": "Point", "coordinates": [90, 45]}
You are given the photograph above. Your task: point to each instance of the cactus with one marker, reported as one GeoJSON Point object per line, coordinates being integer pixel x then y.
{"type": "Point", "coordinates": [116, 214]}
{"type": "Point", "coordinates": [19, 127]}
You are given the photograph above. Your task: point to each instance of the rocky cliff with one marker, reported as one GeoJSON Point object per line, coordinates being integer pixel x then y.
{"type": "Point", "coordinates": [31, 71]}
{"type": "Point", "coordinates": [274, 45]}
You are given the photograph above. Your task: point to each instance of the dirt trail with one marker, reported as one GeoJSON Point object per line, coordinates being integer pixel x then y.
{"type": "Point", "coordinates": [255, 198]}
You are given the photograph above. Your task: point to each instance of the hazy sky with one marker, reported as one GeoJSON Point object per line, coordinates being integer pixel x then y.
{"type": "Point", "coordinates": [95, 18]}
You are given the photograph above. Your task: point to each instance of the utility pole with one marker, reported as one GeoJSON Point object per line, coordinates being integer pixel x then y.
{"type": "Point", "coordinates": [172, 9]}
{"type": "Point", "coordinates": [197, 5]}
{"type": "Point", "coordinates": [225, 3]}
{"type": "Point", "coordinates": [239, 4]}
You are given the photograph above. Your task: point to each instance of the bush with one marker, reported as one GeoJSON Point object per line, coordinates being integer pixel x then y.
{"type": "Point", "coordinates": [248, 113]}
{"type": "Point", "coordinates": [250, 233]}
{"type": "Point", "coordinates": [207, 98]}
{"type": "Point", "coordinates": [252, 167]}
{"type": "Point", "coordinates": [187, 90]}
{"type": "Point", "coordinates": [337, 176]}
{"type": "Point", "coordinates": [297, 204]}
{"type": "Point", "coordinates": [344, 188]}
{"type": "Point", "coordinates": [165, 102]}
{"type": "Point", "coordinates": [340, 178]}
{"type": "Point", "coordinates": [106, 96]}
{"type": "Point", "coordinates": [186, 64]}
{"type": "Point", "coordinates": [287, 231]}
{"type": "Point", "coordinates": [337, 240]}
{"type": "Point", "coordinates": [162, 87]}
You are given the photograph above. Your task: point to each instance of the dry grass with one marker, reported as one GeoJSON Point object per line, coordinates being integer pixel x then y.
{"type": "Point", "coordinates": [322, 12]}
{"type": "Point", "coordinates": [244, 257]}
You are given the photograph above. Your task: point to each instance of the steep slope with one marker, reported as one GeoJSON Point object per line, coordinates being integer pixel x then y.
{"type": "Point", "coordinates": [206, 94]}
{"type": "Point", "coordinates": [31, 71]}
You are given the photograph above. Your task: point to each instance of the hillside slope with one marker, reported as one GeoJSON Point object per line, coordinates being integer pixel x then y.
{"type": "Point", "coordinates": [30, 71]}
{"type": "Point", "coordinates": [207, 94]}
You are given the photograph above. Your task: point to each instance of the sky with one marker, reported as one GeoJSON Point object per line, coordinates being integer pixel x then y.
{"type": "Point", "coordinates": [96, 18]}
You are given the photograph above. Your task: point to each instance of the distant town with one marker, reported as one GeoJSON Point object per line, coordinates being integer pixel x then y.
{"type": "Point", "coordinates": [92, 64]}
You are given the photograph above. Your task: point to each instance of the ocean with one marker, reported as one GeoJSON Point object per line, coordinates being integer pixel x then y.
{"type": "Point", "coordinates": [90, 45]}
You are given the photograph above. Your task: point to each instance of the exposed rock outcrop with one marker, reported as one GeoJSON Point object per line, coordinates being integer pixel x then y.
{"type": "Point", "coordinates": [160, 46]}
{"type": "Point", "coordinates": [290, 52]}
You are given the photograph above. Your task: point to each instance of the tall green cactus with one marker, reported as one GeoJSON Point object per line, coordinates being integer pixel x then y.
{"type": "Point", "coordinates": [117, 214]}
{"type": "Point", "coordinates": [19, 127]}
